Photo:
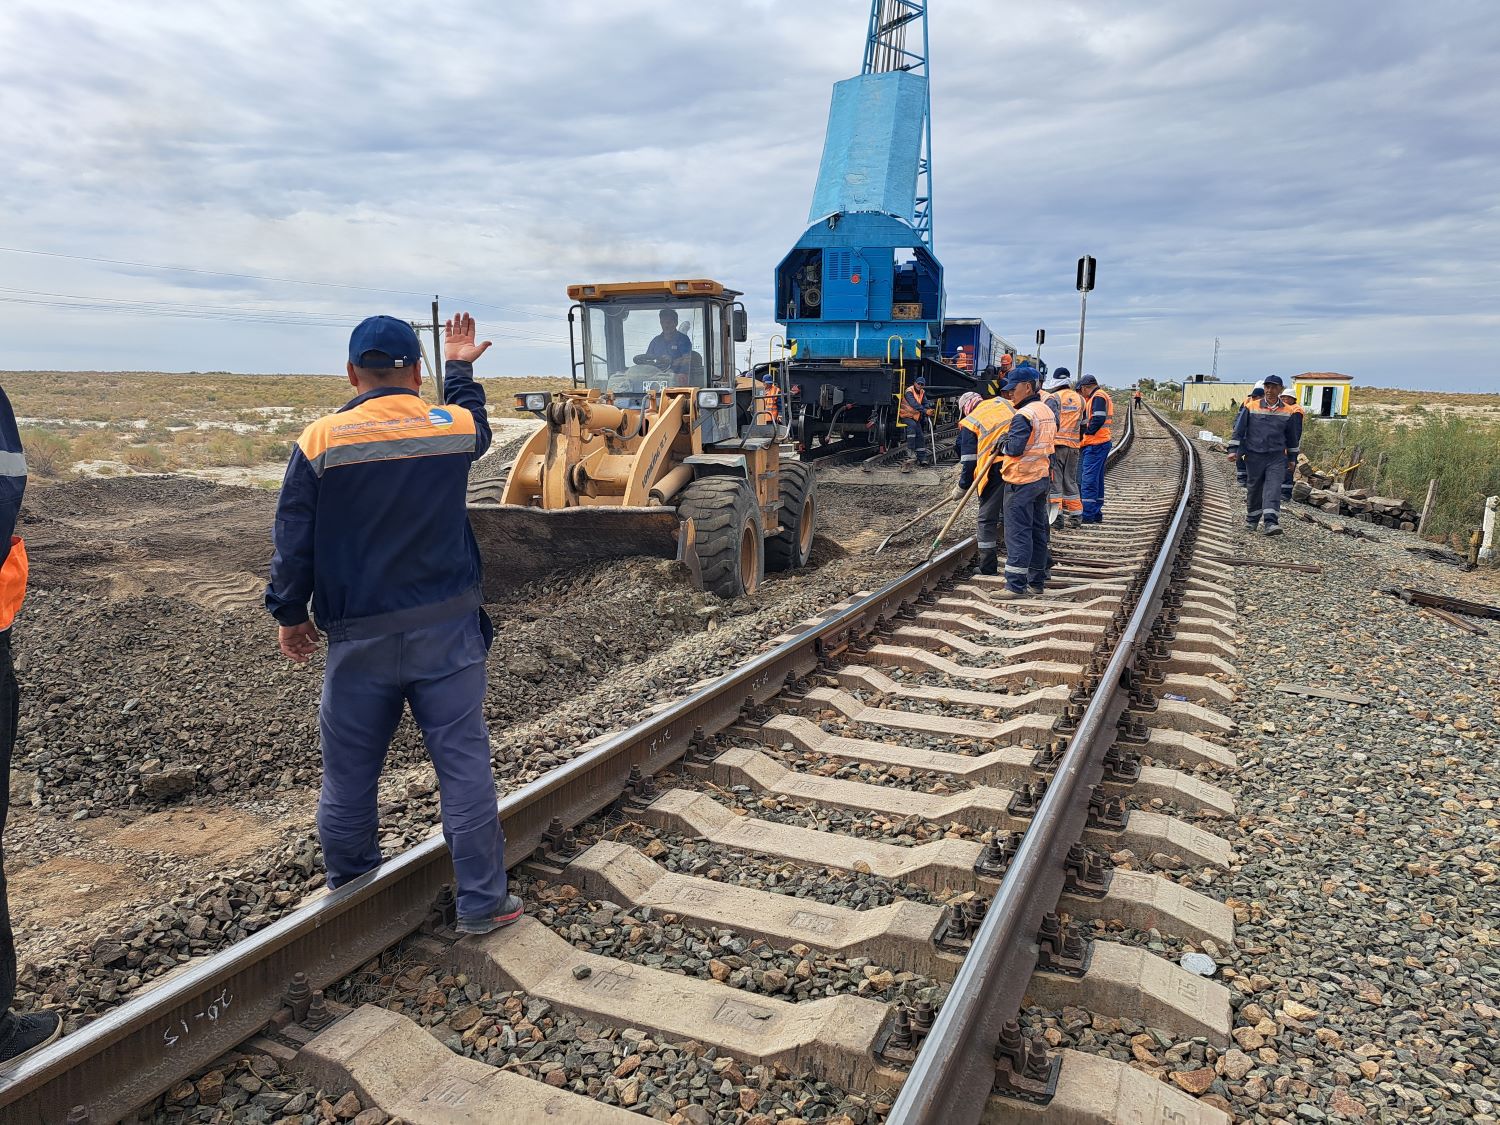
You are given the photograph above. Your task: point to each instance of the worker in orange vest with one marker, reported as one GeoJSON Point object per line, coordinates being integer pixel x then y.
{"type": "Point", "coordinates": [20, 1035]}
{"type": "Point", "coordinates": [1099, 412]}
{"type": "Point", "coordinates": [770, 408]}
{"type": "Point", "coordinates": [1290, 402]}
{"type": "Point", "coordinates": [998, 374]}
{"type": "Point", "coordinates": [980, 458]}
{"type": "Point", "coordinates": [1027, 471]}
{"type": "Point", "coordinates": [915, 411]}
{"type": "Point", "coordinates": [1067, 405]}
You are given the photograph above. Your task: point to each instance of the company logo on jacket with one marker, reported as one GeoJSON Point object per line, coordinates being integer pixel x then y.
{"type": "Point", "coordinates": [439, 417]}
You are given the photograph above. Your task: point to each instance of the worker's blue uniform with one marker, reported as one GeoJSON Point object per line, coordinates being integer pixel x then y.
{"type": "Point", "coordinates": [12, 588]}
{"type": "Point", "coordinates": [670, 345]}
{"type": "Point", "coordinates": [1269, 435]}
{"type": "Point", "coordinates": [1028, 454]}
{"type": "Point", "coordinates": [373, 527]}
{"type": "Point", "coordinates": [1093, 454]}
{"type": "Point", "coordinates": [915, 411]}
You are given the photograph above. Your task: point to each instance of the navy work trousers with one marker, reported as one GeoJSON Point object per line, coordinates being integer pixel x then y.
{"type": "Point", "coordinates": [10, 708]}
{"type": "Point", "coordinates": [916, 440]}
{"type": "Point", "coordinates": [1026, 535]}
{"type": "Point", "coordinates": [440, 671]}
{"type": "Point", "coordinates": [1091, 460]}
{"type": "Point", "coordinates": [1264, 473]}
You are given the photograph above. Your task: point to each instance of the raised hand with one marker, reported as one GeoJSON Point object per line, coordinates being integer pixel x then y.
{"type": "Point", "coordinates": [458, 339]}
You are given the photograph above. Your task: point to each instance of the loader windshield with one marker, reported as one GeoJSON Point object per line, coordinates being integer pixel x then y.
{"type": "Point", "coordinates": [633, 346]}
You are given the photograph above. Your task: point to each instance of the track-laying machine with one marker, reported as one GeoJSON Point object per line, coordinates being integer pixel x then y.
{"type": "Point", "coordinates": [659, 449]}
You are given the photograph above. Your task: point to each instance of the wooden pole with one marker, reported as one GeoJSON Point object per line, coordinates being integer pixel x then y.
{"type": "Point", "coordinates": [1427, 506]}
{"type": "Point", "coordinates": [962, 504]}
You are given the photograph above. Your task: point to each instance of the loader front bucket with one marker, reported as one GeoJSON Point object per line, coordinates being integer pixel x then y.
{"type": "Point", "coordinates": [520, 544]}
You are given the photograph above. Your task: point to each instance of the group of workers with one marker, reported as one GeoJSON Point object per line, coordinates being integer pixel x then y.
{"type": "Point", "coordinates": [1037, 442]}
{"type": "Point", "coordinates": [1264, 446]}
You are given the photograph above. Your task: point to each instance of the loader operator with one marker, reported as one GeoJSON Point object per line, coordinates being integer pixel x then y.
{"type": "Point", "coordinates": [372, 527]}
{"type": "Point", "coordinates": [671, 346]}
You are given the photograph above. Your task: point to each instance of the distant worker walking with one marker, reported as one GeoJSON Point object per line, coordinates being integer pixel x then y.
{"type": "Point", "coordinates": [981, 433]}
{"type": "Point", "coordinates": [915, 412]}
{"type": "Point", "coordinates": [1028, 444]}
{"type": "Point", "coordinates": [1291, 403]}
{"type": "Point", "coordinates": [1067, 405]}
{"type": "Point", "coordinates": [373, 528]}
{"type": "Point", "coordinates": [1257, 393]}
{"type": "Point", "coordinates": [1098, 415]}
{"type": "Point", "coordinates": [1269, 435]}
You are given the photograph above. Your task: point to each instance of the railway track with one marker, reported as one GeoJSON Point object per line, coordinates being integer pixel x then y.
{"type": "Point", "coordinates": [980, 761]}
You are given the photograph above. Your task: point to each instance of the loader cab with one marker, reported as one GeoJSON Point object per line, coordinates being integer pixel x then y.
{"type": "Point", "coordinates": [638, 338]}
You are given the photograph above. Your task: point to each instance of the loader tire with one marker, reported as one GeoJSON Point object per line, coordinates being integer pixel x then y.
{"type": "Point", "coordinates": [727, 535]}
{"type": "Point", "coordinates": [791, 547]}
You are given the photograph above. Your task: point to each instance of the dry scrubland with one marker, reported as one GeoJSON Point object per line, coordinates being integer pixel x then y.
{"type": "Point", "coordinates": [1405, 439]}
{"type": "Point", "coordinates": [233, 428]}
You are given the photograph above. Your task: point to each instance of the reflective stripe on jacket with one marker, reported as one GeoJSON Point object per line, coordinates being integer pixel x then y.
{"type": "Point", "coordinates": [1069, 409]}
{"type": "Point", "coordinates": [373, 524]}
{"type": "Point", "coordinates": [986, 425]}
{"type": "Point", "coordinates": [1263, 428]}
{"type": "Point", "coordinates": [913, 405]}
{"type": "Point", "coordinates": [1095, 430]}
{"type": "Point", "coordinates": [1034, 460]}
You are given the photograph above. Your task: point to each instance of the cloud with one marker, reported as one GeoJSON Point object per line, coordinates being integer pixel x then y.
{"type": "Point", "coordinates": [1317, 185]}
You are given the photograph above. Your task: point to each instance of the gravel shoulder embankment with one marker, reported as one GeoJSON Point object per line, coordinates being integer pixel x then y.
{"type": "Point", "coordinates": [167, 770]}
{"type": "Point", "coordinates": [1366, 980]}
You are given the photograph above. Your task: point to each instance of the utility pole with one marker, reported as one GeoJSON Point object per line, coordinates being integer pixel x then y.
{"type": "Point", "coordinates": [1086, 270]}
{"type": "Point", "coordinates": [437, 350]}
{"type": "Point", "coordinates": [1216, 359]}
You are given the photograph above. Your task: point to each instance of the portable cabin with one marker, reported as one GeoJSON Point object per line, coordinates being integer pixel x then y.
{"type": "Point", "coordinates": [1323, 394]}
{"type": "Point", "coordinates": [969, 345]}
{"type": "Point", "coordinates": [1210, 398]}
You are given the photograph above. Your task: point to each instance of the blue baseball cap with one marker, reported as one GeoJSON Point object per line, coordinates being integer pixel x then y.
{"type": "Point", "coordinates": [384, 341]}
{"type": "Point", "coordinates": [1019, 375]}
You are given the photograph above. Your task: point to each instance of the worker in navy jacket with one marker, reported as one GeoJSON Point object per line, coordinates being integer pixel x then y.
{"type": "Point", "coordinates": [1268, 435]}
{"type": "Point", "coordinates": [373, 529]}
{"type": "Point", "coordinates": [20, 1035]}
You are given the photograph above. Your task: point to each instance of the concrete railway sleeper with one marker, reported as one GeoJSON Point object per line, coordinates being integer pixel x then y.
{"type": "Point", "coordinates": [995, 781]}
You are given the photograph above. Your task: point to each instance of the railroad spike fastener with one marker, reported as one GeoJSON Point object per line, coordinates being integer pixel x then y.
{"type": "Point", "coordinates": [1085, 874]}
{"type": "Point", "coordinates": [1143, 699]}
{"type": "Point", "coordinates": [995, 856]}
{"type": "Point", "coordinates": [921, 1020]}
{"type": "Point", "coordinates": [1024, 801]}
{"type": "Point", "coordinates": [953, 930]}
{"type": "Point", "coordinates": [975, 910]}
{"type": "Point", "coordinates": [318, 1015]}
{"type": "Point", "coordinates": [1067, 720]}
{"type": "Point", "coordinates": [640, 789]}
{"type": "Point", "coordinates": [299, 996]}
{"type": "Point", "coordinates": [1106, 812]}
{"type": "Point", "coordinates": [559, 845]}
{"type": "Point", "coordinates": [1023, 1070]}
{"type": "Point", "coordinates": [1049, 755]}
{"type": "Point", "coordinates": [1122, 766]}
{"type": "Point", "coordinates": [1061, 949]}
{"type": "Point", "coordinates": [1149, 673]}
{"type": "Point", "coordinates": [444, 913]}
{"type": "Point", "coordinates": [1132, 729]}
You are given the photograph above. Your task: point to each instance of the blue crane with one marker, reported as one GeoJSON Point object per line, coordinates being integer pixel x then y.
{"type": "Point", "coordinates": [861, 292]}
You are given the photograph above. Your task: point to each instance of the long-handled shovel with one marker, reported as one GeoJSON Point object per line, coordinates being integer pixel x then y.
{"type": "Point", "coordinates": [962, 504]}
{"type": "Point", "coordinates": [911, 523]}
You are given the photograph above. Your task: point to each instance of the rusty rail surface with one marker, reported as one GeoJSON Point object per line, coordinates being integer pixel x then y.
{"type": "Point", "coordinates": [974, 1045]}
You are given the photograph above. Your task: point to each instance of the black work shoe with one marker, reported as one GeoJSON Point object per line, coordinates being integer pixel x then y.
{"type": "Point", "coordinates": [511, 909]}
{"type": "Point", "coordinates": [1273, 529]}
{"type": "Point", "coordinates": [29, 1034]}
{"type": "Point", "coordinates": [989, 562]}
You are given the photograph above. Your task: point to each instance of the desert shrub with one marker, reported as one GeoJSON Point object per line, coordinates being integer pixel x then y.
{"type": "Point", "coordinates": [48, 453]}
{"type": "Point", "coordinates": [147, 458]}
{"type": "Point", "coordinates": [227, 448]}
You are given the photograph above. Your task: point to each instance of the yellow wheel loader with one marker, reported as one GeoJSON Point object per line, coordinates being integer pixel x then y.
{"type": "Point", "coordinates": [658, 450]}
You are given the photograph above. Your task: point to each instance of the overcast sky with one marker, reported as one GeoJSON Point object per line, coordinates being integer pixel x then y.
{"type": "Point", "coordinates": [1316, 184]}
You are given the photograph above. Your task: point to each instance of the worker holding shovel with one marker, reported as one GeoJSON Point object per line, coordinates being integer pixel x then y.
{"type": "Point", "coordinates": [981, 433]}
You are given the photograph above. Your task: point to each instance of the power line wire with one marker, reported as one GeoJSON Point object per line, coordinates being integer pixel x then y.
{"type": "Point", "coordinates": [260, 277]}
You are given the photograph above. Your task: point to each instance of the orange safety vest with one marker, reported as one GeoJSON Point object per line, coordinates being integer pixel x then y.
{"type": "Point", "coordinates": [1035, 461]}
{"type": "Point", "coordinates": [1069, 416]}
{"type": "Point", "coordinates": [909, 413]}
{"type": "Point", "coordinates": [13, 582]}
{"type": "Point", "coordinates": [1101, 435]}
{"type": "Point", "coordinates": [988, 422]}
{"type": "Point", "coordinates": [770, 408]}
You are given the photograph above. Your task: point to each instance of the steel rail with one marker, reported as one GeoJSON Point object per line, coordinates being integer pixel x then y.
{"type": "Point", "coordinates": [953, 1076]}
{"type": "Point", "coordinates": [139, 1049]}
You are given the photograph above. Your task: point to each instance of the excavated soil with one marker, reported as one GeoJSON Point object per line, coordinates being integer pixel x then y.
{"type": "Point", "coordinates": [167, 768]}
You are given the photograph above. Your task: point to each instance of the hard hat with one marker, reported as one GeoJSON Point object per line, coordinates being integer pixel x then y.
{"type": "Point", "coordinates": [968, 401]}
